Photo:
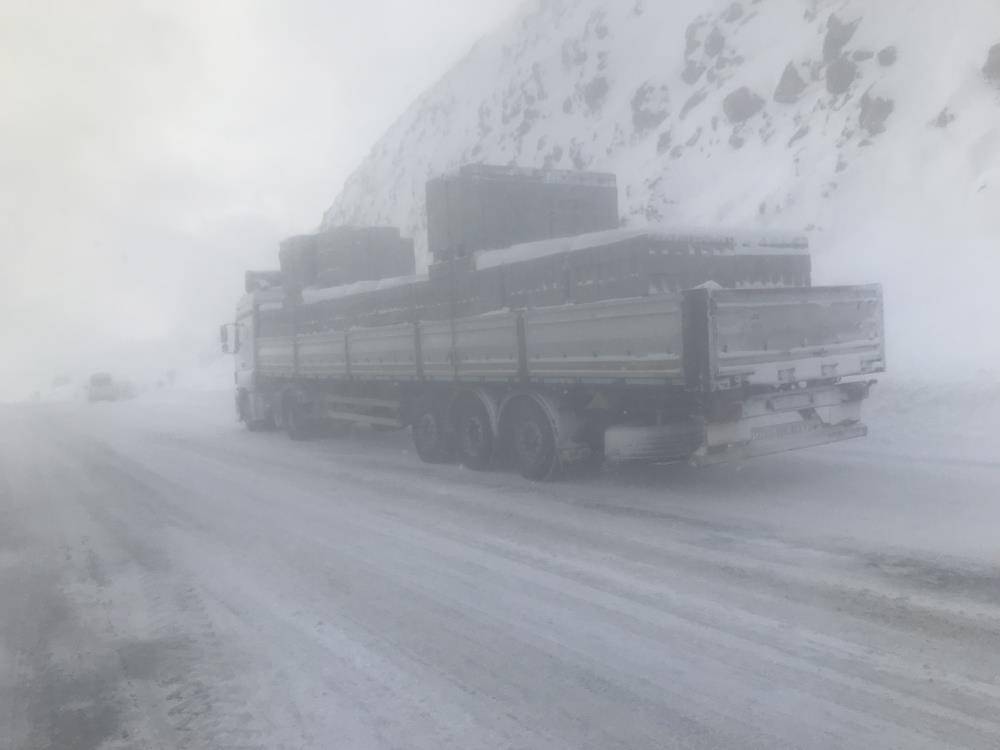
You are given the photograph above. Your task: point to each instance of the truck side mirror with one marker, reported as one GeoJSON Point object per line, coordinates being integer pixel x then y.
{"type": "Point", "coordinates": [224, 338]}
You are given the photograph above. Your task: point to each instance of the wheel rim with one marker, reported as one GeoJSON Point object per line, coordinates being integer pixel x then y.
{"type": "Point", "coordinates": [529, 441]}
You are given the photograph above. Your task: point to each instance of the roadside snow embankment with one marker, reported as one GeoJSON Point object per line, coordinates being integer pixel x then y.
{"type": "Point", "coordinates": [954, 421]}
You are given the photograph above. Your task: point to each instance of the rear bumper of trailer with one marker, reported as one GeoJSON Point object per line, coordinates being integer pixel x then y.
{"type": "Point", "coordinates": [780, 439]}
{"type": "Point", "coordinates": [789, 420]}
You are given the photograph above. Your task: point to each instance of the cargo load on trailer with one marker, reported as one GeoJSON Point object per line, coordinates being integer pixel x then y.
{"type": "Point", "coordinates": [483, 207]}
{"type": "Point", "coordinates": [613, 344]}
{"type": "Point", "coordinates": [344, 255]}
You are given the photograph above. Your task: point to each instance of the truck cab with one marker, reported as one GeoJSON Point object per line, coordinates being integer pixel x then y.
{"type": "Point", "coordinates": [239, 339]}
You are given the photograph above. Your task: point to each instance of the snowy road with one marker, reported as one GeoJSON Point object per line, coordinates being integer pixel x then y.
{"type": "Point", "coordinates": [168, 580]}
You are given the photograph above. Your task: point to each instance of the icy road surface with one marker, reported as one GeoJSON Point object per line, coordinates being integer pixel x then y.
{"type": "Point", "coordinates": [168, 580]}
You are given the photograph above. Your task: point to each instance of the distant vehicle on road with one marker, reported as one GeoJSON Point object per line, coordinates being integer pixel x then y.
{"type": "Point", "coordinates": [102, 388]}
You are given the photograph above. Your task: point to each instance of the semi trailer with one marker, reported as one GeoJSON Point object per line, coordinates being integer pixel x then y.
{"type": "Point", "coordinates": [613, 344]}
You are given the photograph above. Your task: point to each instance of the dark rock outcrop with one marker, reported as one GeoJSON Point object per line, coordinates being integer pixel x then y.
{"type": "Point", "coordinates": [650, 107]}
{"type": "Point", "coordinates": [595, 92]}
{"type": "Point", "coordinates": [791, 86]}
{"type": "Point", "coordinates": [888, 56]}
{"type": "Point", "coordinates": [838, 34]}
{"type": "Point", "coordinates": [741, 105]}
{"type": "Point", "coordinates": [875, 110]}
{"type": "Point", "coordinates": [692, 72]}
{"type": "Point", "coordinates": [664, 142]}
{"type": "Point", "coordinates": [715, 43]}
{"type": "Point", "coordinates": [733, 13]}
{"type": "Point", "coordinates": [992, 68]}
{"type": "Point", "coordinates": [692, 38]}
{"type": "Point", "coordinates": [693, 101]}
{"type": "Point", "coordinates": [945, 118]}
{"type": "Point", "coordinates": [801, 133]}
{"type": "Point", "coordinates": [840, 75]}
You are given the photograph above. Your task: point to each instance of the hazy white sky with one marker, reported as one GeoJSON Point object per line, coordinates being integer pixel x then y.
{"type": "Point", "coordinates": [151, 150]}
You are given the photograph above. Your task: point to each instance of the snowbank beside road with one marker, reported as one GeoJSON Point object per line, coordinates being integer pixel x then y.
{"type": "Point", "coordinates": [958, 420]}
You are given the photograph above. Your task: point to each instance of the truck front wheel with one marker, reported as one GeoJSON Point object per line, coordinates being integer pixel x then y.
{"type": "Point", "coordinates": [244, 408]}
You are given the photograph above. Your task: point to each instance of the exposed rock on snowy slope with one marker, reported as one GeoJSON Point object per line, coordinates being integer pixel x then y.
{"type": "Point", "coordinates": [992, 68]}
{"type": "Point", "coordinates": [810, 115]}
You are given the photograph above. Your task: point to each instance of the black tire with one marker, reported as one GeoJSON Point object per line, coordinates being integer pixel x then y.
{"type": "Point", "coordinates": [246, 414]}
{"type": "Point", "coordinates": [430, 434]}
{"type": "Point", "coordinates": [533, 442]}
{"type": "Point", "coordinates": [474, 433]}
{"type": "Point", "coordinates": [295, 419]}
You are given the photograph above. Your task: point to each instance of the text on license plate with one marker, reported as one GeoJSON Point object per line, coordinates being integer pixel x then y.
{"type": "Point", "coordinates": [772, 432]}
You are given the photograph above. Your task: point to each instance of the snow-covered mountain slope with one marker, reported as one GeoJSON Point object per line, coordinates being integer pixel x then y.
{"type": "Point", "coordinates": [872, 125]}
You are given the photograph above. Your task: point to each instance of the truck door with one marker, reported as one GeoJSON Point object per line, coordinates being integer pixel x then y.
{"type": "Point", "coordinates": [246, 350]}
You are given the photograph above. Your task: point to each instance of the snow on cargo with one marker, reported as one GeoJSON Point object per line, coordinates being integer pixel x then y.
{"type": "Point", "coordinates": [693, 241]}
{"type": "Point", "coordinates": [312, 296]}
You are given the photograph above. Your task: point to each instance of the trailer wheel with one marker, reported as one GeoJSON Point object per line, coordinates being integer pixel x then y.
{"type": "Point", "coordinates": [533, 442]}
{"type": "Point", "coordinates": [475, 435]}
{"type": "Point", "coordinates": [245, 414]}
{"type": "Point", "coordinates": [295, 419]}
{"type": "Point", "coordinates": [430, 436]}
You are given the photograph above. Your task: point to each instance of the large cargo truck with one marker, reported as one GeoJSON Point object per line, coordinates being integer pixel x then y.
{"type": "Point", "coordinates": [619, 345]}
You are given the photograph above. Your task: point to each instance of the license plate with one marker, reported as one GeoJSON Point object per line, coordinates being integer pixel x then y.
{"type": "Point", "coordinates": [777, 431]}
{"type": "Point", "coordinates": [790, 403]}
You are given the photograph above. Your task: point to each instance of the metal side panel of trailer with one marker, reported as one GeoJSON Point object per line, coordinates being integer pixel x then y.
{"type": "Point", "coordinates": [323, 355]}
{"type": "Point", "coordinates": [629, 340]}
{"type": "Point", "coordinates": [437, 342]}
{"type": "Point", "coordinates": [487, 348]}
{"type": "Point", "coordinates": [706, 339]}
{"type": "Point", "coordinates": [383, 353]}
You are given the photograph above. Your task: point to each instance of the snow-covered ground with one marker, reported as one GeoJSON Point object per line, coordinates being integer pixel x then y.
{"type": "Point", "coordinates": [171, 581]}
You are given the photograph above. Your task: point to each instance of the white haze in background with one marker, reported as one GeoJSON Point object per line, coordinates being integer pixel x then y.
{"type": "Point", "coordinates": [151, 151]}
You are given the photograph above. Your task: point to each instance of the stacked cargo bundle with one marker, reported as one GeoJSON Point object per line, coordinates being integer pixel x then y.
{"type": "Point", "coordinates": [483, 207]}
{"type": "Point", "coordinates": [345, 255]}
{"type": "Point", "coordinates": [367, 304]}
{"type": "Point", "coordinates": [620, 264]}
{"type": "Point", "coordinates": [642, 262]}
{"type": "Point", "coordinates": [297, 256]}
{"type": "Point", "coordinates": [491, 231]}
{"type": "Point", "coordinates": [257, 281]}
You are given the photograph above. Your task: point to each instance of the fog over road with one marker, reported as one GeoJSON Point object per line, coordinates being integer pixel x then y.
{"type": "Point", "coordinates": [170, 580]}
